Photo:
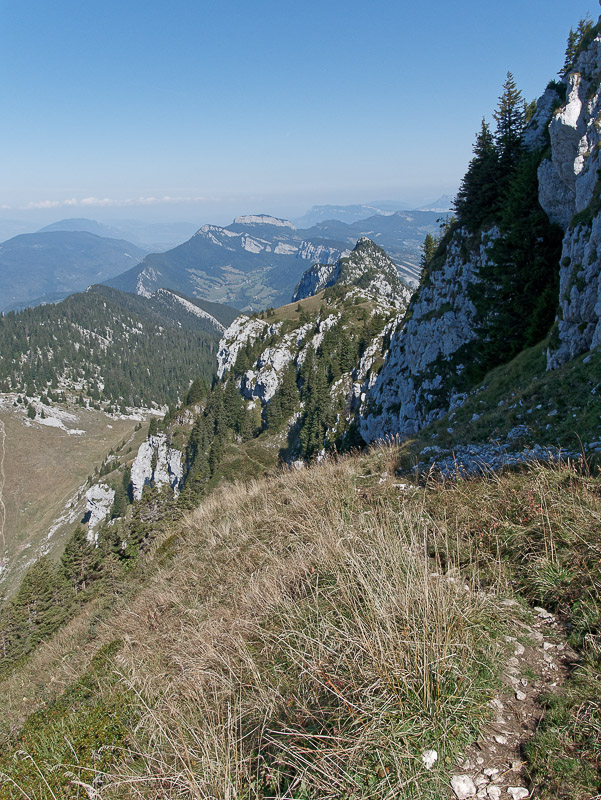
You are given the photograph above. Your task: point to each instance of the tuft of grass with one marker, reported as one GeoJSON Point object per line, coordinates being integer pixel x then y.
{"type": "Point", "coordinates": [309, 635]}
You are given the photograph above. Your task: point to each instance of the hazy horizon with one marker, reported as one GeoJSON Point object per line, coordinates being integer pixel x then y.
{"type": "Point", "coordinates": [200, 113]}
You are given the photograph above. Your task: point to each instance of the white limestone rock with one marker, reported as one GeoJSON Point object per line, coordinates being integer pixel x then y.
{"type": "Point", "coordinates": [242, 330]}
{"type": "Point", "coordinates": [568, 184]}
{"type": "Point", "coordinates": [158, 465]}
{"type": "Point", "coordinates": [367, 267]}
{"type": "Point", "coordinates": [410, 391]}
{"type": "Point", "coordinates": [463, 786]}
{"type": "Point", "coordinates": [99, 501]}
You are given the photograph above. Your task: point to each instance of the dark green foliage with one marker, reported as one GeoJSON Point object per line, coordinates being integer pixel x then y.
{"type": "Point", "coordinates": [197, 391]}
{"type": "Point", "coordinates": [317, 412]}
{"type": "Point", "coordinates": [285, 401]}
{"type": "Point", "coordinates": [578, 40]}
{"type": "Point", "coordinates": [516, 298]}
{"type": "Point", "coordinates": [478, 194]}
{"type": "Point", "coordinates": [509, 117]}
{"type": "Point", "coordinates": [137, 353]}
{"type": "Point", "coordinates": [38, 609]}
{"type": "Point", "coordinates": [80, 560]}
{"type": "Point", "coordinates": [428, 249]}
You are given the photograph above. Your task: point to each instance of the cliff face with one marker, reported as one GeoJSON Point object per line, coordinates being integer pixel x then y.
{"type": "Point", "coordinates": [366, 267]}
{"type": "Point", "coordinates": [570, 193]}
{"type": "Point", "coordinates": [423, 377]}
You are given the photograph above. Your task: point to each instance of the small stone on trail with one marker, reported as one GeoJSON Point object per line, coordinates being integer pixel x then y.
{"type": "Point", "coordinates": [494, 792]}
{"type": "Point", "coordinates": [463, 786]}
{"type": "Point", "coordinates": [518, 792]}
{"type": "Point", "coordinates": [519, 649]}
{"type": "Point", "coordinates": [491, 772]}
{"type": "Point", "coordinates": [521, 696]}
{"type": "Point", "coordinates": [548, 646]}
{"type": "Point", "coordinates": [429, 757]}
{"type": "Point", "coordinates": [501, 739]}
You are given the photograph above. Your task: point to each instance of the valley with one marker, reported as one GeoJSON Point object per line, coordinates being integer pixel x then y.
{"type": "Point", "coordinates": [46, 470]}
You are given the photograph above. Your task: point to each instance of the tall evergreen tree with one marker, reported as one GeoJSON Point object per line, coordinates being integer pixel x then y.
{"type": "Point", "coordinates": [478, 195]}
{"type": "Point", "coordinates": [509, 117]}
{"type": "Point", "coordinates": [516, 296]}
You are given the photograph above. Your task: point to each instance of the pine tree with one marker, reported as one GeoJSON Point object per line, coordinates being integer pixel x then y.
{"type": "Point", "coordinates": [509, 117]}
{"type": "Point", "coordinates": [428, 249]}
{"type": "Point", "coordinates": [516, 296]}
{"type": "Point", "coordinates": [478, 194]}
{"type": "Point", "coordinates": [79, 560]}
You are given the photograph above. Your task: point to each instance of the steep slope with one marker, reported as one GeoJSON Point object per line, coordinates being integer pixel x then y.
{"type": "Point", "coordinates": [367, 267]}
{"type": "Point", "coordinates": [307, 366]}
{"type": "Point", "coordinates": [570, 193]}
{"type": "Point", "coordinates": [116, 348]}
{"type": "Point", "coordinates": [492, 287]}
{"type": "Point", "coordinates": [34, 266]}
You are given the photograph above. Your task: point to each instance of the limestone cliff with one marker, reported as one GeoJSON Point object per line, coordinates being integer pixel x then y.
{"type": "Point", "coordinates": [156, 464]}
{"type": "Point", "coordinates": [425, 373]}
{"type": "Point", "coordinates": [570, 193]}
{"type": "Point", "coordinates": [422, 376]}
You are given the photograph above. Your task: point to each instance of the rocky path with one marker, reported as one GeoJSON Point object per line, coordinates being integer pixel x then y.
{"type": "Point", "coordinates": [539, 660]}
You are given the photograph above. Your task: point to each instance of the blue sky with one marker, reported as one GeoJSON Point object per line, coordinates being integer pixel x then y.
{"type": "Point", "coordinates": [201, 110]}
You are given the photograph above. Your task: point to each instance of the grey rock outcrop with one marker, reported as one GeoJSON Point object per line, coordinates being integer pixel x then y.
{"type": "Point", "coordinates": [570, 193]}
{"type": "Point", "coordinates": [157, 465]}
{"type": "Point", "coordinates": [367, 267]}
{"type": "Point", "coordinates": [422, 378]}
{"type": "Point", "coordinates": [99, 500]}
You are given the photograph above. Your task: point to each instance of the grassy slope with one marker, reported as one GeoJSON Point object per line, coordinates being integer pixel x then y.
{"type": "Point", "coordinates": [44, 468]}
{"type": "Point", "coordinates": [290, 639]}
{"type": "Point", "coordinates": [560, 408]}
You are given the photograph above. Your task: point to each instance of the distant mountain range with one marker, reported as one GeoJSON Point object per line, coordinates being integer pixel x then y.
{"type": "Point", "coordinates": [40, 267]}
{"type": "Point", "coordinates": [257, 261]}
{"type": "Point", "coordinates": [253, 263]}
{"type": "Point", "coordinates": [151, 236]}
{"type": "Point", "coordinates": [359, 211]}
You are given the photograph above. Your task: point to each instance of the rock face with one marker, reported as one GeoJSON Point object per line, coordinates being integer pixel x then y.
{"type": "Point", "coordinates": [570, 190]}
{"type": "Point", "coordinates": [157, 465]}
{"type": "Point", "coordinates": [366, 267]}
{"type": "Point", "coordinates": [99, 500]}
{"type": "Point", "coordinates": [370, 293]}
{"type": "Point", "coordinates": [422, 378]}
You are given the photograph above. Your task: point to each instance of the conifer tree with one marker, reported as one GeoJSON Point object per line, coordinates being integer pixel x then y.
{"type": "Point", "coordinates": [428, 249]}
{"type": "Point", "coordinates": [509, 117]}
{"type": "Point", "coordinates": [79, 560]}
{"type": "Point", "coordinates": [516, 296]}
{"type": "Point", "coordinates": [478, 194]}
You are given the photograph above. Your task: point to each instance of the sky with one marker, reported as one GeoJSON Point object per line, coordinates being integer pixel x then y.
{"type": "Point", "coordinates": [202, 110]}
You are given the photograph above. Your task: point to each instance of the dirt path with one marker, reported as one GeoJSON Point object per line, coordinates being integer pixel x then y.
{"type": "Point", "coordinates": [539, 660]}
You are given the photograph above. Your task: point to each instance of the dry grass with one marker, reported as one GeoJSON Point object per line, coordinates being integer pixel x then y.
{"type": "Point", "coordinates": [300, 644]}
{"type": "Point", "coordinates": [310, 635]}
